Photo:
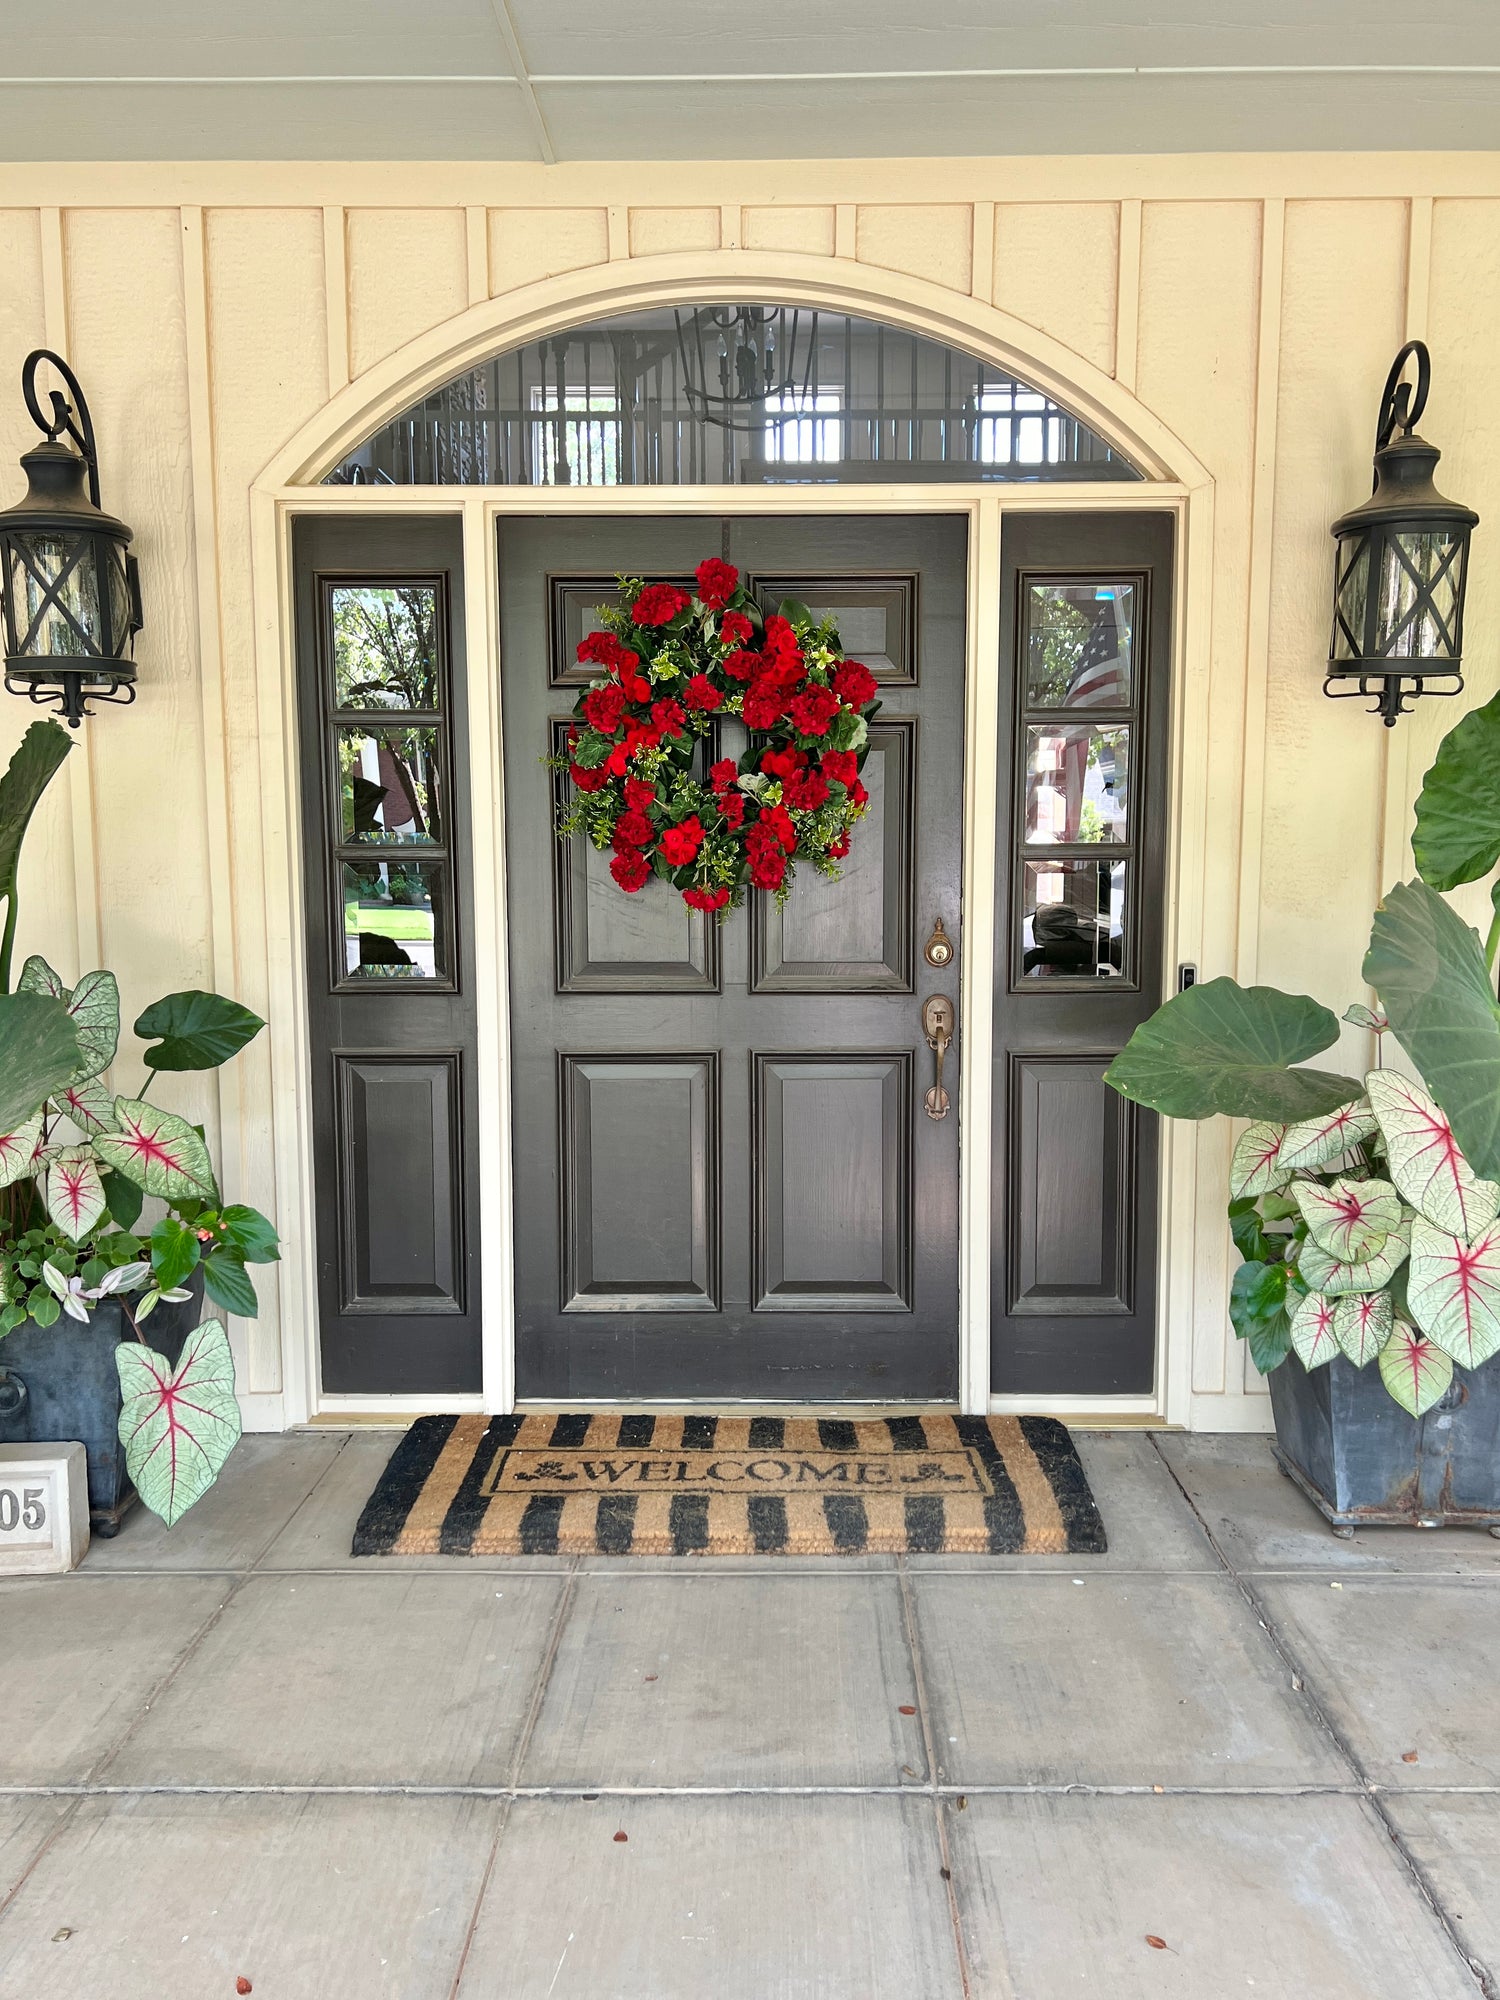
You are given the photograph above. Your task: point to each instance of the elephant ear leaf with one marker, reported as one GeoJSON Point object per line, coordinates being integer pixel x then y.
{"type": "Point", "coordinates": [196, 1030]}
{"type": "Point", "coordinates": [1429, 969]}
{"type": "Point", "coordinates": [1222, 1047]}
{"type": "Point", "coordinates": [38, 1055]}
{"type": "Point", "coordinates": [1457, 835]}
{"type": "Point", "coordinates": [32, 768]}
{"type": "Point", "coordinates": [177, 1426]}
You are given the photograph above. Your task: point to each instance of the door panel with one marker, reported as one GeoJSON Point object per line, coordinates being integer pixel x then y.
{"type": "Point", "coordinates": [726, 1184]}
{"type": "Point", "coordinates": [390, 955]}
{"type": "Point", "coordinates": [1086, 621]}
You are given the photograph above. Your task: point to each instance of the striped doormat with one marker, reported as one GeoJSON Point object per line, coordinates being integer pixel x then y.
{"type": "Point", "coordinates": [607, 1484]}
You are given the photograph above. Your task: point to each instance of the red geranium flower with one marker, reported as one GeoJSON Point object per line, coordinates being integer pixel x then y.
{"type": "Point", "coordinates": [779, 822]}
{"type": "Point", "coordinates": [840, 767]}
{"type": "Point", "coordinates": [638, 688]}
{"type": "Point", "coordinates": [700, 692]}
{"type": "Point", "coordinates": [679, 844]}
{"type": "Point", "coordinates": [632, 829]}
{"type": "Point", "coordinates": [734, 628]}
{"type": "Point", "coordinates": [723, 774]}
{"type": "Point", "coordinates": [838, 848]}
{"type": "Point", "coordinates": [631, 870]}
{"type": "Point", "coordinates": [782, 763]}
{"type": "Point", "coordinates": [717, 582]}
{"type": "Point", "coordinates": [767, 870]}
{"type": "Point", "coordinates": [659, 604]}
{"type": "Point", "coordinates": [668, 717]}
{"type": "Point", "coordinates": [616, 761]}
{"type": "Point", "coordinates": [858, 796]}
{"type": "Point", "coordinates": [602, 649]}
{"type": "Point", "coordinates": [705, 899]}
{"type": "Point", "coordinates": [762, 707]}
{"type": "Point", "coordinates": [732, 808]}
{"type": "Point", "coordinates": [604, 707]}
{"type": "Point", "coordinates": [743, 666]}
{"type": "Point", "coordinates": [638, 794]}
{"type": "Point", "coordinates": [812, 711]}
{"type": "Point", "coordinates": [854, 684]}
{"type": "Point", "coordinates": [588, 781]}
{"type": "Point", "coordinates": [780, 641]}
{"type": "Point", "coordinates": [805, 791]}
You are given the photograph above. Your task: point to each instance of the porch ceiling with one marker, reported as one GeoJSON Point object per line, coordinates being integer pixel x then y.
{"type": "Point", "coordinates": [677, 79]}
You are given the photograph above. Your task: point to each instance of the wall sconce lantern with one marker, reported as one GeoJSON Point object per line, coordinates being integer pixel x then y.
{"type": "Point", "coordinates": [70, 595]}
{"type": "Point", "coordinates": [1401, 565]}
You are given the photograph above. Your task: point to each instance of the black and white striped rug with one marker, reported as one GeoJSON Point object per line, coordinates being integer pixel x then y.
{"type": "Point", "coordinates": [611, 1484]}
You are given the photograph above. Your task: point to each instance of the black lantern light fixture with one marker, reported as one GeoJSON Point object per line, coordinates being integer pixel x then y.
{"type": "Point", "coordinates": [738, 361]}
{"type": "Point", "coordinates": [1400, 566]}
{"type": "Point", "coordinates": [70, 596]}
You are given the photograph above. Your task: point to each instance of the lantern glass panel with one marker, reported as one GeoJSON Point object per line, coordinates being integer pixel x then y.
{"type": "Point", "coordinates": [121, 607]}
{"type": "Point", "coordinates": [1418, 595]}
{"type": "Point", "coordinates": [1353, 595]}
{"type": "Point", "coordinates": [56, 605]}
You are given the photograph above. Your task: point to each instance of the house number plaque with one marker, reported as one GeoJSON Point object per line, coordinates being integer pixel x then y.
{"type": "Point", "coordinates": [44, 1508]}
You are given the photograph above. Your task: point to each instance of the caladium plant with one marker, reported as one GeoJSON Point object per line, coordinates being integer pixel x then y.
{"type": "Point", "coordinates": [1367, 1214]}
{"type": "Point", "coordinates": [79, 1161]}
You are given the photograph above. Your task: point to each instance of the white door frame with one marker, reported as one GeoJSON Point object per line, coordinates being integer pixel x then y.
{"type": "Point", "coordinates": [983, 507]}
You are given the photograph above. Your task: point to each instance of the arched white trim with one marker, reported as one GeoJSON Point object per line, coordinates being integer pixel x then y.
{"type": "Point", "coordinates": [532, 312]}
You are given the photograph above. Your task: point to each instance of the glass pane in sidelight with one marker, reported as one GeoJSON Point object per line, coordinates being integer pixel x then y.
{"type": "Point", "coordinates": [1072, 919]}
{"type": "Point", "coordinates": [1080, 644]}
{"type": "Point", "coordinates": [395, 920]}
{"type": "Point", "coordinates": [388, 785]}
{"type": "Point", "coordinates": [1077, 783]}
{"type": "Point", "coordinates": [385, 646]}
{"type": "Point", "coordinates": [56, 599]}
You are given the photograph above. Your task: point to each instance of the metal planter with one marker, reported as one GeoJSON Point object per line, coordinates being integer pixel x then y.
{"type": "Point", "coordinates": [58, 1384]}
{"type": "Point", "coordinates": [1364, 1462]}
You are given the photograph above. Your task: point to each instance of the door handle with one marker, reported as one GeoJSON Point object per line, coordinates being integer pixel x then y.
{"type": "Point", "coordinates": [937, 1026]}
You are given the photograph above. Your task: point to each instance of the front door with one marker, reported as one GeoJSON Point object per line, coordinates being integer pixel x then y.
{"type": "Point", "coordinates": [727, 1183]}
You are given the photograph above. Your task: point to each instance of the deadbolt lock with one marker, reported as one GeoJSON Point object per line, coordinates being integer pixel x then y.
{"type": "Point", "coordinates": [938, 949]}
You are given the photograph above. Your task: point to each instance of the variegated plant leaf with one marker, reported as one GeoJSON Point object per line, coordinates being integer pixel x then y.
{"type": "Point", "coordinates": [88, 1104]}
{"type": "Point", "coordinates": [1424, 1157]}
{"type": "Point", "coordinates": [1453, 1289]}
{"type": "Point", "coordinates": [18, 1150]}
{"type": "Point", "coordinates": [1416, 1371]}
{"type": "Point", "coordinates": [93, 1007]}
{"type": "Point", "coordinates": [177, 1427]}
{"type": "Point", "coordinates": [1323, 1273]}
{"type": "Point", "coordinates": [158, 1151]}
{"type": "Point", "coordinates": [74, 1191]}
{"type": "Point", "coordinates": [1362, 1324]}
{"type": "Point", "coordinates": [1254, 1169]}
{"type": "Point", "coordinates": [1313, 1335]}
{"type": "Point", "coordinates": [1350, 1219]}
{"type": "Point", "coordinates": [1316, 1141]}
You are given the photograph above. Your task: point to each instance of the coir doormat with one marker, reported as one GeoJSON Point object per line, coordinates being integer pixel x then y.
{"type": "Point", "coordinates": [607, 1484]}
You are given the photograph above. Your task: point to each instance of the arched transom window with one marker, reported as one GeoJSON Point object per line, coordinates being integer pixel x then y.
{"type": "Point", "coordinates": [732, 395]}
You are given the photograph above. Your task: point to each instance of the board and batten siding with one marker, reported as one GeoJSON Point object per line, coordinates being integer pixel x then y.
{"type": "Point", "coordinates": [1251, 304]}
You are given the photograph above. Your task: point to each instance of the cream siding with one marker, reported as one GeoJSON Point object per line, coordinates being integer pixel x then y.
{"type": "Point", "coordinates": [1250, 306]}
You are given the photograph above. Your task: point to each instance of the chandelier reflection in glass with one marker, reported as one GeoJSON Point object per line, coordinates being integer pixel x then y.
{"type": "Point", "coordinates": [740, 361]}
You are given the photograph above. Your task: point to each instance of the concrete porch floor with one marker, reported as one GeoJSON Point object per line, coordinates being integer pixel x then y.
{"type": "Point", "coordinates": [234, 1752]}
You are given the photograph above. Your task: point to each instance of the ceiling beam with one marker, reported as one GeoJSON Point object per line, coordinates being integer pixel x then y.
{"type": "Point", "coordinates": [508, 35]}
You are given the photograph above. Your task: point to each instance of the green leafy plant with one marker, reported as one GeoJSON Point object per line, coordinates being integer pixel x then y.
{"type": "Point", "coordinates": [79, 1162]}
{"type": "Point", "coordinates": [1367, 1214]}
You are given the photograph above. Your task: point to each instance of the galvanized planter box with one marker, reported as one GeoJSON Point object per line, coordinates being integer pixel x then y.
{"type": "Point", "coordinates": [1363, 1461]}
{"type": "Point", "coordinates": [58, 1384]}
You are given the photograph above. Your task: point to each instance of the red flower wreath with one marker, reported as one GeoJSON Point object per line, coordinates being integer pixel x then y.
{"type": "Point", "coordinates": [675, 666]}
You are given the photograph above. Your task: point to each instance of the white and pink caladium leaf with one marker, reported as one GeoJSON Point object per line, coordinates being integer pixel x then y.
{"type": "Point", "coordinates": [1424, 1159]}
{"type": "Point", "coordinates": [1322, 1273]}
{"type": "Point", "coordinates": [158, 1151]}
{"type": "Point", "coordinates": [177, 1426]}
{"type": "Point", "coordinates": [1254, 1169]}
{"type": "Point", "coordinates": [1416, 1371]}
{"type": "Point", "coordinates": [18, 1150]}
{"type": "Point", "coordinates": [88, 1104]}
{"type": "Point", "coordinates": [74, 1191]}
{"type": "Point", "coordinates": [1316, 1141]}
{"type": "Point", "coordinates": [1453, 1290]}
{"type": "Point", "coordinates": [1313, 1335]}
{"type": "Point", "coordinates": [1362, 1325]}
{"type": "Point", "coordinates": [1351, 1219]}
{"type": "Point", "coordinates": [93, 1006]}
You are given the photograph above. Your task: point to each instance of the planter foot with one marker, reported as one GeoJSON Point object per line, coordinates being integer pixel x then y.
{"type": "Point", "coordinates": [1495, 1531]}
{"type": "Point", "coordinates": [104, 1522]}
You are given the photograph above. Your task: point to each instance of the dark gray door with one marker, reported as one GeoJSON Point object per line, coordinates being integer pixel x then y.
{"type": "Point", "coordinates": [1086, 629]}
{"type": "Point", "coordinates": [390, 957]}
{"type": "Point", "coordinates": [726, 1181]}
